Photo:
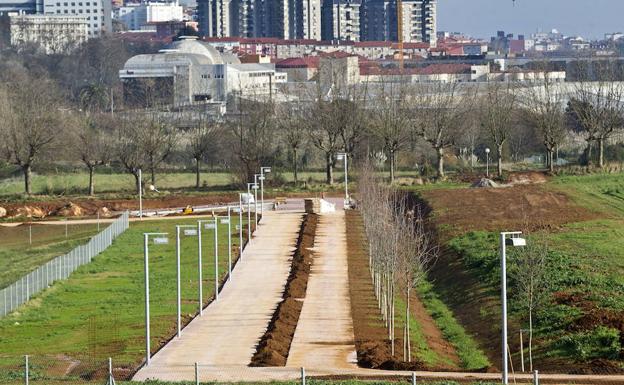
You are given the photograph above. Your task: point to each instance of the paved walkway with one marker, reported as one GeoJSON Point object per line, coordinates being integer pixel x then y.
{"type": "Point", "coordinates": [230, 329]}
{"type": "Point", "coordinates": [324, 335]}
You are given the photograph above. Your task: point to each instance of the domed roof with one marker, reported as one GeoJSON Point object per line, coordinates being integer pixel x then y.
{"type": "Point", "coordinates": [190, 44]}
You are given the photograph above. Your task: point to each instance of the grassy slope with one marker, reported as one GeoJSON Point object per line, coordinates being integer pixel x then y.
{"type": "Point", "coordinates": [18, 257]}
{"type": "Point", "coordinates": [584, 259]}
{"type": "Point", "coordinates": [103, 303]}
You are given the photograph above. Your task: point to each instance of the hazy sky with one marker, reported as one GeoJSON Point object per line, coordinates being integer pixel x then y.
{"type": "Point", "coordinates": [482, 18]}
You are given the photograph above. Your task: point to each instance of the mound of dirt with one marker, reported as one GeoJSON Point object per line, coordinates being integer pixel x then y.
{"type": "Point", "coordinates": [524, 207]}
{"type": "Point", "coordinates": [534, 177]}
{"type": "Point", "coordinates": [104, 212]}
{"type": "Point", "coordinates": [69, 210]}
{"type": "Point", "coordinates": [484, 183]}
{"type": "Point", "coordinates": [3, 212]}
{"type": "Point", "coordinates": [275, 344]}
{"type": "Point", "coordinates": [29, 212]}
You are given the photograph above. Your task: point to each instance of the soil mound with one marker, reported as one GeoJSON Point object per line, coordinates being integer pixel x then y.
{"type": "Point", "coordinates": [484, 183]}
{"type": "Point", "coordinates": [527, 178]}
{"type": "Point", "coordinates": [3, 212]}
{"type": "Point", "coordinates": [69, 210]}
{"type": "Point", "coordinates": [30, 212]}
{"type": "Point", "coordinates": [275, 344]}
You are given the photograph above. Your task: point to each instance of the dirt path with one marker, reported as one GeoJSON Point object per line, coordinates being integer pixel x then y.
{"type": "Point", "coordinates": [231, 327]}
{"type": "Point", "coordinates": [324, 334]}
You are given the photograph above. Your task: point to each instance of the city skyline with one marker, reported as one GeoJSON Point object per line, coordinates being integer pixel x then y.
{"type": "Point", "coordinates": [588, 19]}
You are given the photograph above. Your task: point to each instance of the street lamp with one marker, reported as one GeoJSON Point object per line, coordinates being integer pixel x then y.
{"type": "Point", "coordinates": [343, 156]}
{"type": "Point", "coordinates": [487, 162]}
{"type": "Point", "coordinates": [263, 171]}
{"type": "Point", "coordinates": [255, 187]}
{"type": "Point", "coordinates": [140, 194]}
{"type": "Point", "coordinates": [506, 239]}
{"type": "Point", "coordinates": [240, 224]}
{"type": "Point", "coordinates": [189, 230]}
{"type": "Point", "coordinates": [158, 239]}
{"type": "Point", "coordinates": [228, 221]}
{"type": "Point", "coordinates": [211, 224]}
{"type": "Point", "coordinates": [249, 196]}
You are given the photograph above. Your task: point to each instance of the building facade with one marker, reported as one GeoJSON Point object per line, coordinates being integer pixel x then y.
{"type": "Point", "coordinates": [341, 20]}
{"type": "Point", "coordinates": [20, 6]}
{"type": "Point", "coordinates": [380, 21]}
{"type": "Point", "coordinates": [97, 12]}
{"type": "Point", "coordinates": [136, 16]}
{"type": "Point", "coordinates": [53, 33]}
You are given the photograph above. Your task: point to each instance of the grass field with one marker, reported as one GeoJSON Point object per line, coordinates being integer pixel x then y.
{"type": "Point", "coordinates": [99, 311]}
{"type": "Point", "coordinates": [19, 257]}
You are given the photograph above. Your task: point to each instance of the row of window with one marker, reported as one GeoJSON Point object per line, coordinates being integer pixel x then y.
{"type": "Point", "coordinates": [88, 3]}
{"type": "Point", "coordinates": [208, 76]}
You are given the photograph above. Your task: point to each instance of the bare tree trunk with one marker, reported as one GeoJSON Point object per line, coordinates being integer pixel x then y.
{"type": "Point", "coordinates": [197, 176]}
{"type": "Point", "coordinates": [153, 175]}
{"type": "Point", "coordinates": [530, 340]}
{"type": "Point", "coordinates": [500, 160]}
{"type": "Point", "coordinates": [440, 153]}
{"type": "Point", "coordinates": [295, 176]}
{"type": "Point", "coordinates": [601, 152]}
{"type": "Point", "coordinates": [91, 184]}
{"type": "Point", "coordinates": [551, 163]}
{"type": "Point", "coordinates": [329, 171]}
{"type": "Point", "coordinates": [27, 169]}
{"type": "Point", "coordinates": [392, 166]}
{"type": "Point", "coordinates": [137, 182]}
{"type": "Point", "coordinates": [407, 330]}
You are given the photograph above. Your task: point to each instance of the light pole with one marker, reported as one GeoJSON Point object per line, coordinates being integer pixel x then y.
{"type": "Point", "coordinates": [228, 221]}
{"type": "Point", "coordinates": [487, 162]}
{"type": "Point", "coordinates": [140, 194]}
{"type": "Point", "coordinates": [159, 239]}
{"type": "Point", "coordinates": [189, 230]}
{"type": "Point", "coordinates": [255, 188]}
{"type": "Point", "coordinates": [240, 225]}
{"type": "Point", "coordinates": [263, 171]}
{"type": "Point", "coordinates": [249, 196]}
{"type": "Point", "coordinates": [511, 238]}
{"type": "Point", "coordinates": [343, 156]}
{"type": "Point", "coordinates": [213, 224]}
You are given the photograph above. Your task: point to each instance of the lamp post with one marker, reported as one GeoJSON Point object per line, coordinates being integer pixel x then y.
{"type": "Point", "coordinates": [189, 230]}
{"type": "Point", "coordinates": [240, 224]}
{"type": "Point", "coordinates": [212, 224]}
{"type": "Point", "coordinates": [487, 162]}
{"type": "Point", "coordinates": [263, 171]}
{"type": "Point", "coordinates": [343, 156]}
{"type": "Point", "coordinates": [228, 221]}
{"type": "Point", "coordinates": [159, 239]}
{"type": "Point", "coordinates": [255, 188]}
{"type": "Point", "coordinates": [249, 196]}
{"type": "Point", "coordinates": [140, 194]}
{"type": "Point", "coordinates": [506, 239]}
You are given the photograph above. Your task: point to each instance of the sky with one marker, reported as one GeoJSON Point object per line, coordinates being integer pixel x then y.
{"type": "Point", "coordinates": [482, 18]}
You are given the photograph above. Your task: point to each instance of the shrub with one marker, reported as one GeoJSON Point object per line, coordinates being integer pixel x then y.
{"type": "Point", "coordinates": [602, 342]}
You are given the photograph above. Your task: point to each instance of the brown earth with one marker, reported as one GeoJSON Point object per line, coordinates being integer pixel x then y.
{"type": "Point", "coordinates": [519, 207]}
{"type": "Point", "coordinates": [371, 336]}
{"type": "Point", "coordinates": [275, 343]}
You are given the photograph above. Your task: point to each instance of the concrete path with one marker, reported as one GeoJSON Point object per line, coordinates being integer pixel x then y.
{"type": "Point", "coordinates": [230, 329]}
{"type": "Point", "coordinates": [324, 335]}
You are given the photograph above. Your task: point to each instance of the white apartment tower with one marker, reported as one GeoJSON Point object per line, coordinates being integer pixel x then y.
{"type": "Point", "coordinates": [310, 20]}
{"type": "Point", "coordinates": [341, 20]}
{"type": "Point", "coordinates": [97, 13]}
{"type": "Point", "coordinates": [419, 21]}
{"type": "Point", "coordinates": [215, 17]}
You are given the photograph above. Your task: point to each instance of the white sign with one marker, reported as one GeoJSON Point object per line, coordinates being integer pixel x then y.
{"type": "Point", "coordinates": [255, 187]}
{"type": "Point", "coordinates": [161, 241]}
{"type": "Point", "coordinates": [237, 227]}
{"type": "Point", "coordinates": [190, 232]}
{"type": "Point", "coordinates": [209, 226]}
{"type": "Point", "coordinates": [236, 210]}
{"type": "Point", "coordinates": [225, 221]}
{"type": "Point", "coordinates": [261, 178]}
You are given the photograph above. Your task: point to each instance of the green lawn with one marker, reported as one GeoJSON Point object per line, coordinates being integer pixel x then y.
{"type": "Point", "coordinates": [598, 192]}
{"type": "Point", "coordinates": [19, 257]}
{"type": "Point", "coordinates": [99, 311]}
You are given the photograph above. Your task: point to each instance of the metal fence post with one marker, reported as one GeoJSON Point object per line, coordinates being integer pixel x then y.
{"type": "Point", "coordinates": [303, 376]}
{"type": "Point", "coordinates": [535, 378]}
{"type": "Point", "coordinates": [196, 375]}
{"type": "Point", "coordinates": [26, 370]}
{"type": "Point", "coordinates": [413, 378]}
{"type": "Point", "coordinates": [111, 379]}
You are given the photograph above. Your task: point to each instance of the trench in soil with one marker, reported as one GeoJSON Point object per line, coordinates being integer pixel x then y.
{"type": "Point", "coordinates": [274, 345]}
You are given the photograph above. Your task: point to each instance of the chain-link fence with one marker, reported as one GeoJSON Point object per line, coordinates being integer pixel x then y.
{"type": "Point", "coordinates": [59, 268]}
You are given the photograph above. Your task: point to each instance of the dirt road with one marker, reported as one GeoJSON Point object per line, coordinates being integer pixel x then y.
{"type": "Point", "coordinates": [324, 334]}
{"type": "Point", "coordinates": [230, 328]}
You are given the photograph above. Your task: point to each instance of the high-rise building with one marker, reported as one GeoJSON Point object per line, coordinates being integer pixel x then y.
{"type": "Point", "coordinates": [53, 33]}
{"type": "Point", "coordinates": [305, 19]}
{"type": "Point", "coordinates": [97, 12]}
{"type": "Point", "coordinates": [214, 17]}
{"type": "Point", "coordinates": [341, 20]}
{"type": "Point", "coordinates": [379, 20]}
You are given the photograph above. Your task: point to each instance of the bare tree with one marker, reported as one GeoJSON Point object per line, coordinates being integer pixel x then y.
{"type": "Point", "coordinates": [596, 109]}
{"type": "Point", "coordinates": [292, 128]}
{"type": "Point", "coordinates": [529, 276]}
{"type": "Point", "coordinates": [202, 140]}
{"type": "Point", "coordinates": [326, 119]}
{"type": "Point", "coordinates": [389, 122]}
{"type": "Point", "coordinates": [90, 140]}
{"type": "Point", "coordinates": [497, 110]}
{"type": "Point", "coordinates": [544, 107]}
{"type": "Point", "coordinates": [31, 123]}
{"type": "Point", "coordinates": [439, 112]}
{"type": "Point", "coordinates": [158, 139]}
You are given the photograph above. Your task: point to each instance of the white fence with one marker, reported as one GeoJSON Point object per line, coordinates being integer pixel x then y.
{"type": "Point", "coordinates": [59, 268]}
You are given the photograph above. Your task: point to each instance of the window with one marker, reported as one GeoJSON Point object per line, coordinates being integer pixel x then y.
{"type": "Point", "coordinates": [94, 17]}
